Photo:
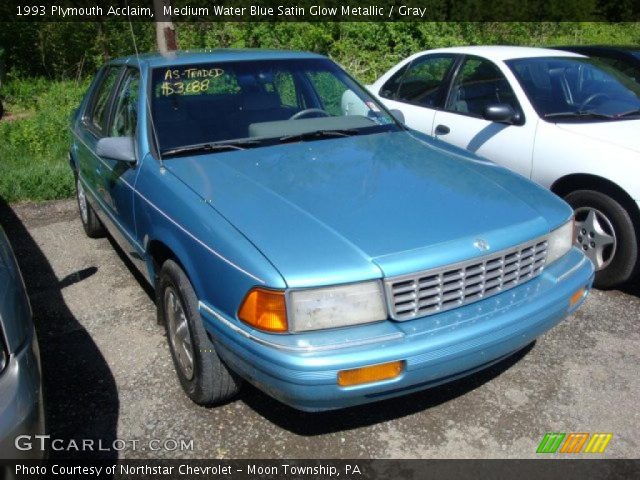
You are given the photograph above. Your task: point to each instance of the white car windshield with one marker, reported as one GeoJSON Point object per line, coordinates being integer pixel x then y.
{"type": "Point", "coordinates": [221, 106]}
{"type": "Point", "coordinates": [576, 89]}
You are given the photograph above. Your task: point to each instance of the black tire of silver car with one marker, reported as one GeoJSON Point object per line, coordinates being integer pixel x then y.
{"type": "Point", "coordinates": [90, 221]}
{"type": "Point", "coordinates": [205, 378]}
{"type": "Point", "coordinates": [606, 233]}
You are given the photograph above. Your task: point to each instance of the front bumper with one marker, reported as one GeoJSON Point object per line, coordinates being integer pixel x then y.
{"type": "Point", "coordinates": [436, 349]}
{"type": "Point", "coordinates": [21, 406]}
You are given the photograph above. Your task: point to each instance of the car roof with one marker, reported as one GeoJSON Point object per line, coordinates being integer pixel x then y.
{"type": "Point", "coordinates": [184, 57]}
{"type": "Point", "coordinates": [503, 52]}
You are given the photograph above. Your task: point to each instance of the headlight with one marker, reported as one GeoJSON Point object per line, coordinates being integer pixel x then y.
{"type": "Point", "coordinates": [339, 306]}
{"type": "Point", "coordinates": [560, 241]}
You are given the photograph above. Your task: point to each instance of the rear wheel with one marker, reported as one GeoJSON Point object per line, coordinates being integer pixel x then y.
{"type": "Point", "coordinates": [90, 221]}
{"type": "Point", "coordinates": [606, 234]}
{"type": "Point", "coordinates": [202, 374]}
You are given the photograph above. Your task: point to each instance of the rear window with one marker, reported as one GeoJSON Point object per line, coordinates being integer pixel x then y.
{"type": "Point", "coordinates": [420, 82]}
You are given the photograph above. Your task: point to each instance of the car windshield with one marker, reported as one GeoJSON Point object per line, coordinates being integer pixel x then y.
{"type": "Point", "coordinates": [222, 106]}
{"type": "Point", "coordinates": [577, 89]}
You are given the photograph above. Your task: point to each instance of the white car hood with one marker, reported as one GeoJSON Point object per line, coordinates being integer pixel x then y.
{"type": "Point", "coordinates": [623, 133]}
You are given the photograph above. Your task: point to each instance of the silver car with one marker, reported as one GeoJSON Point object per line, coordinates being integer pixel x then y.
{"type": "Point", "coordinates": [21, 406]}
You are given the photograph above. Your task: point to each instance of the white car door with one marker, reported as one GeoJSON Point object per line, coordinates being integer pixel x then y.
{"type": "Point", "coordinates": [477, 84]}
{"type": "Point", "coordinates": [417, 88]}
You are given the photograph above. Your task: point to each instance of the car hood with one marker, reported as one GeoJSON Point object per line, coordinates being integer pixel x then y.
{"type": "Point", "coordinates": [349, 209]}
{"type": "Point", "coordinates": [623, 133]}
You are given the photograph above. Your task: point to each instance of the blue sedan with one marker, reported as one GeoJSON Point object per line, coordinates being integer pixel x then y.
{"type": "Point", "coordinates": [298, 236]}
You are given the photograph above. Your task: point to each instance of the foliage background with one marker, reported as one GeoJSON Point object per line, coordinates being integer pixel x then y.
{"type": "Point", "coordinates": [48, 67]}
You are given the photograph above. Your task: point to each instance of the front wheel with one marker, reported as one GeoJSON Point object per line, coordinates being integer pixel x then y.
{"type": "Point", "coordinates": [202, 374]}
{"type": "Point", "coordinates": [606, 234]}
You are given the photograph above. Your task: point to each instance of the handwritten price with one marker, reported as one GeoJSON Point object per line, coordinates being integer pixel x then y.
{"type": "Point", "coordinates": [182, 88]}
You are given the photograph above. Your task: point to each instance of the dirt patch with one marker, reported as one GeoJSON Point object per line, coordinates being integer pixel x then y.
{"type": "Point", "coordinates": [37, 214]}
{"type": "Point", "coordinates": [11, 117]}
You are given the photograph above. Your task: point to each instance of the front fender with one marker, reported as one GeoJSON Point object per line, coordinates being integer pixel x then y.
{"type": "Point", "coordinates": [220, 262]}
{"type": "Point", "coordinates": [559, 153]}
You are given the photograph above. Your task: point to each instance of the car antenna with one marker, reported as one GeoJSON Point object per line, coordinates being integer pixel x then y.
{"type": "Point", "coordinates": [148, 104]}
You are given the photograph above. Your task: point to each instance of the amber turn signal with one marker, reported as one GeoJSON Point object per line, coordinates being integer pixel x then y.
{"type": "Point", "coordinates": [265, 310]}
{"type": "Point", "coordinates": [576, 297]}
{"type": "Point", "coordinates": [373, 373]}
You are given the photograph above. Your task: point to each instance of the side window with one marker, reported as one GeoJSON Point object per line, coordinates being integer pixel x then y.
{"type": "Point", "coordinates": [479, 83]}
{"type": "Point", "coordinates": [100, 105]}
{"type": "Point", "coordinates": [390, 88]}
{"type": "Point", "coordinates": [422, 82]}
{"type": "Point", "coordinates": [125, 115]}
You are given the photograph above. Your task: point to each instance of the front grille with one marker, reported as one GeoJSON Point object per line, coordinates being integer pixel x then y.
{"type": "Point", "coordinates": [444, 288]}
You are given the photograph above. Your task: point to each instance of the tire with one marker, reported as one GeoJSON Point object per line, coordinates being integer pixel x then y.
{"type": "Point", "coordinates": [208, 381]}
{"type": "Point", "coordinates": [90, 221]}
{"type": "Point", "coordinates": [617, 262]}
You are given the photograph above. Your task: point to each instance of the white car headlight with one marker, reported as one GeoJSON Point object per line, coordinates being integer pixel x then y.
{"type": "Point", "coordinates": [338, 306]}
{"type": "Point", "coordinates": [560, 241]}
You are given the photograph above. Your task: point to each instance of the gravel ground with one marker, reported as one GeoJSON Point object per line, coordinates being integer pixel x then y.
{"type": "Point", "coordinates": [108, 374]}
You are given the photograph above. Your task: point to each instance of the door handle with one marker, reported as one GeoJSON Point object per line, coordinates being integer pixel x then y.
{"type": "Point", "coordinates": [442, 130]}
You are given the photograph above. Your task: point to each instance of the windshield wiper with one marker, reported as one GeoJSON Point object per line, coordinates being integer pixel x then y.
{"type": "Point", "coordinates": [317, 134]}
{"type": "Point", "coordinates": [578, 114]}
{"type": "Point", "coordinates": [629, 113]}
{"type": "Point", "coordinates": [212, 147]}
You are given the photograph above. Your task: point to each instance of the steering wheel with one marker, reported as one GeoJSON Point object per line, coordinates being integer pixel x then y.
{"type": "Point", "coordinates": [591, 98]}
{"type": "Point", "coordinates": [307, 112]}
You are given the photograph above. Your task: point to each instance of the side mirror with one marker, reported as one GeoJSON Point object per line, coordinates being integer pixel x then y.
{"type": "Point", "coordinates": [398, 115]}
{"type": "Point", "coordinates": [117, 148]}
{"type": "Point", "coordinates": [500, 113]}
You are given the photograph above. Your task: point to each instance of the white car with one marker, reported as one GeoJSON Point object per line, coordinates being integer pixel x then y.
{"type": "Point", "coordinates": [566, 121]}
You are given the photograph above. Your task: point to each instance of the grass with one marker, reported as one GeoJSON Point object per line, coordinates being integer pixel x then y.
{"type": "Point", "coordinates": [34, 139]}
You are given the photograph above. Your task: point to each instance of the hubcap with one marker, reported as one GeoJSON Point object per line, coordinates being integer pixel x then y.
{"type": "Point", "coordinates": [179, 334]}
{"type": "Point", "coordinates": [595, 236]}
{"type": "Point", "coordinates": [82, 204]}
